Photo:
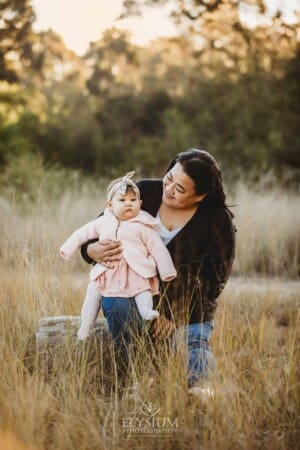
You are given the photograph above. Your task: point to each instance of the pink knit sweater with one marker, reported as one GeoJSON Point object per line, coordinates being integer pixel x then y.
{"type": "Point", "coordinates": [143, 249]}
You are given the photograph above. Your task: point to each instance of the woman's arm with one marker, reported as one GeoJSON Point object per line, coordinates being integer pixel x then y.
{"type": "Point", "coordinates": [86, 251]}
{"type": "Point", "coordinates": [104, 252]}
{"type": "Point", "coordinates": [218, 258]}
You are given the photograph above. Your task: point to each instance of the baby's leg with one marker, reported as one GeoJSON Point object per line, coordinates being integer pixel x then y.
{"type": "Point", "coordinates": [144, 303]}
{"type": "Point", "coordinates": [89, 310]}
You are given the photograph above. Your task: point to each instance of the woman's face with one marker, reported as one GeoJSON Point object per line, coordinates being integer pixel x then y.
{"type": "Point", "coordinates": [179, 189]}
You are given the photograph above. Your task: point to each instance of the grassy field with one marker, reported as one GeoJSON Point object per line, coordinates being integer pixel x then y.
{"type": "Point", "coordinates": [256, 340]}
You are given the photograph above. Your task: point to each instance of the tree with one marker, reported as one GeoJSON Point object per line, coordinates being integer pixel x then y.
{"type": "Point", "coordinates": [51, 61]}
{"type": "Point", "coordinates": [222, 35]}
{"type": "Point", "coordinates": [16, 34]}
{"type": "Point", "coordinates": [113, 61]}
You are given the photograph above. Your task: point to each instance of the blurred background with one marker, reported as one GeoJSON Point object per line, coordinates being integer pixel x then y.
{"type": "Point", "coordinates": [213, 74]}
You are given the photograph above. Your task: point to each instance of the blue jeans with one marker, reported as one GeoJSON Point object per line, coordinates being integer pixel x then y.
{"type": "Point", "coordinates": [125, 325]}
{"type": "Point", "coordinates": [201, 361]}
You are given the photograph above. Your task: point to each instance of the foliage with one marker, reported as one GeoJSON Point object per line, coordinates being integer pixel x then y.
{"type": "Point", "coordinates": [230, 89]}
{"type": "Point", "coordinates": [16, 20]}
{"type": "Point", "coordinates": [51, 62]}
{"type": "Point", "coordinates": [224, 33]}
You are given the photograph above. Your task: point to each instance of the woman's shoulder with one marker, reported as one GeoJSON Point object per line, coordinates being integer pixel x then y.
{"type": "Point", "coordinates": [215, 212]}
{"type": "Point", "coordinates": [222, 214]}
{"type": "Point", "coordinates": [216, 218]}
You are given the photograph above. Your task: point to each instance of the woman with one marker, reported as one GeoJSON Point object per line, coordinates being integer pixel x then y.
{"type": "Point", "coordinates": [196, 226]}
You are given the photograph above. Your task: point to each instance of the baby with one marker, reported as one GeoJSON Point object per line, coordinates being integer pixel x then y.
{"type": "Point", "coordinates": [135, 275]}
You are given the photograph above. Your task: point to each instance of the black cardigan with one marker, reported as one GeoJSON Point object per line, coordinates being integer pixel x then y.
{"type": "Point", "coordinates": [203, 253]}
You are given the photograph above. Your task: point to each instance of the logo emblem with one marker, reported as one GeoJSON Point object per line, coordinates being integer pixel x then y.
{"type": "Point", "coordinates": [149, 409]}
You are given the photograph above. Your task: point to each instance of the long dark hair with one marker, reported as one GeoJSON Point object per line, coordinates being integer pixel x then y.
{"type": "Point", "coordinates": [206, 174]}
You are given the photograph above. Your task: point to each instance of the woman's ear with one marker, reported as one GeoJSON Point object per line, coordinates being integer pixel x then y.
{"type": "Point", "coordinates": [108, 204]}
{"type": "Point", "coordinates": [201, 197]}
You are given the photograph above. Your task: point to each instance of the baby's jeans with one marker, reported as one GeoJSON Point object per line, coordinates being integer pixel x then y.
{"type": "Point", "coordinates": [125, 325]}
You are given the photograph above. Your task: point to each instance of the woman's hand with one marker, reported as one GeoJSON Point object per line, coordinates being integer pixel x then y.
{"type": "Point", "coordinates": [105, 252]}
{"type": "Point", "coordinates": [162, 328]}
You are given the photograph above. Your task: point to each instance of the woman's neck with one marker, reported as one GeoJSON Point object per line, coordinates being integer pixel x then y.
{"type": "Point", "coordinates": [175, 218]}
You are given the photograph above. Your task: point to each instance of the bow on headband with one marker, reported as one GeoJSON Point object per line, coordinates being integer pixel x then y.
{"type": "Point", "coordinates": [121, 185]}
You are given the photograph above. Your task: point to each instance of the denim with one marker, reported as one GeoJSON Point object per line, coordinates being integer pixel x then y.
{"type": "Point", "coordinates": [201, 361]}
{"type": "Point", "coordinates": [124, 323]}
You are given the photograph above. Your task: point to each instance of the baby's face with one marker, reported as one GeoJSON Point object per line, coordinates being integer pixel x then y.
{"type": "Point", "coordinates": [125, 207]}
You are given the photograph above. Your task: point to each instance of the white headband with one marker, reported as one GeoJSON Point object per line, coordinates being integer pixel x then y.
{"type": "Point", "coordinates": [122, 185]}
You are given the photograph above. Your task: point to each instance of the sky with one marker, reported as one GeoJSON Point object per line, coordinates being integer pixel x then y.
{"type": "Point", "coordinates": [81, 21]}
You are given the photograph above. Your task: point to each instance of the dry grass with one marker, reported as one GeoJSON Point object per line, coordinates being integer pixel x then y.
{"type": "Point", "coordinates": [268, 238]}
{"type": "Point", "coordinates": [256, 343]}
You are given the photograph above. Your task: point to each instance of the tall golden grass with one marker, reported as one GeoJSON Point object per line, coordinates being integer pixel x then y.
{"type": "Point", "coordinates": [256, 340]}
{"type": "Point", "coordinates": [268, 235]}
